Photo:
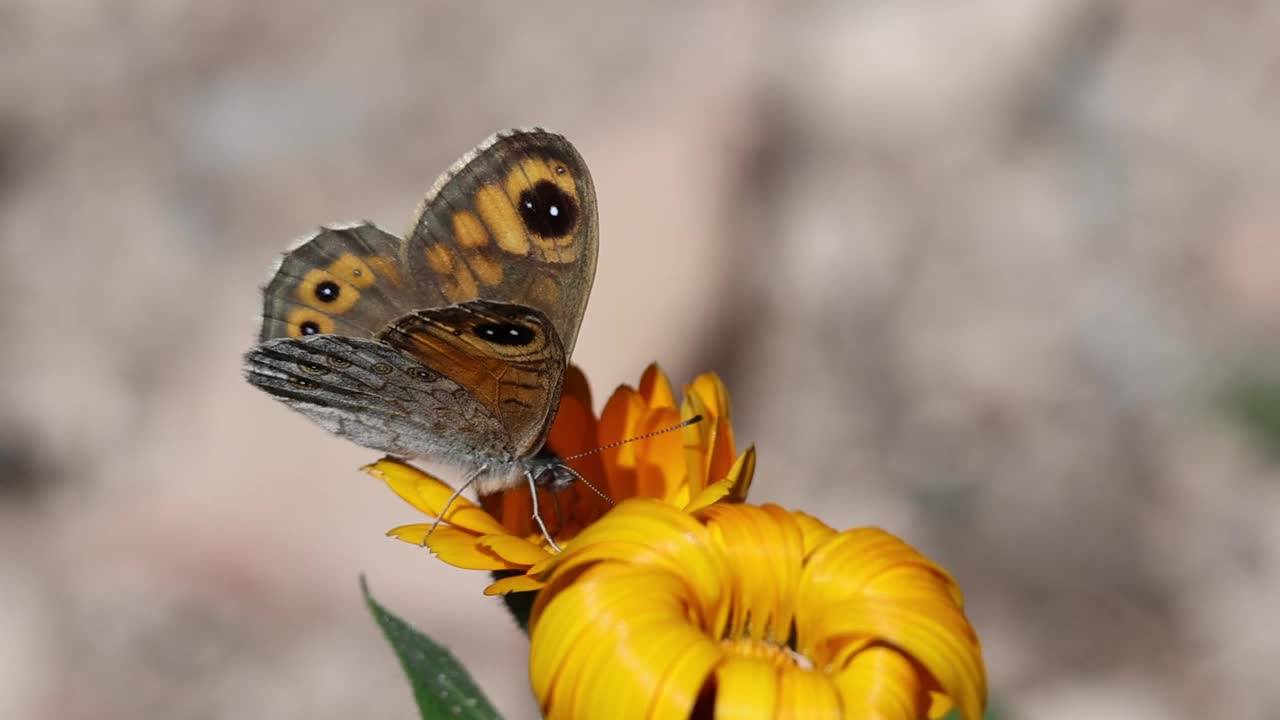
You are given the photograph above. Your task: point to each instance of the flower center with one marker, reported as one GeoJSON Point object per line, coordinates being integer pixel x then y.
{"type": "Point", "coordinates": [780, 655]}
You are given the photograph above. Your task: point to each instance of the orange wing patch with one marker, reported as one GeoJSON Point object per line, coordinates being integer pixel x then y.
{"type": "Point", "coordinates": [353, 270]}
{"type": "Point", "coordinates": [474, 241]}
{"type": "Point", "coordinates": [385, 266]}
{"type": "Point", "coordinates": [457, 284]}
{"type": "Point", "coordinates": [530, 171]}
{"type": "Point", "coordinates": [336, 288]}
{"type": "Point", "coordinates": [546, 290]}
{"type": "Point", "coordinates": [503, 220]}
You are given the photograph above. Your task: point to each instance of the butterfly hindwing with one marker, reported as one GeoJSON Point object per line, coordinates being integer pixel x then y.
{"type": "Point", "coordinates": [508, 357]}
{"type": "Point", "coordinates": [342, 280]}
{"type": "Point", "coordinates": [378, 397]}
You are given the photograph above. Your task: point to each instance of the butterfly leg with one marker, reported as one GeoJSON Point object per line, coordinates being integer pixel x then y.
{"type": "Point", "coordinates": [537, 516]}
{"type": "Point", "coordinates": [467, 481]}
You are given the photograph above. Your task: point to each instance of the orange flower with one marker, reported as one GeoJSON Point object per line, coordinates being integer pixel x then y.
{"type": "Point", "coordinates": [745, 611]}
{"type": "Point", "coordinates": [689, 470]}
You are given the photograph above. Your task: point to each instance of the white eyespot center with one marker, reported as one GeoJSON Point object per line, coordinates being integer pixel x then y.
{"type": "Point", "coordinates": [554, 210]}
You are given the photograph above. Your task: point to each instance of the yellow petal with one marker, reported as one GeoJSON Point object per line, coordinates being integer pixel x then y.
{"type": "Point", "coordinates": [430, 495]}
{"type": "Point", "coordinates": [815, 531]}
{"type": "Point", "coordinates": [514, 583]}
{"type": "Point", "coordinates": [881, 683]}
{"type": "Point", "coordinates": [712, 392]}
{"type": "Point", "coordinates": [763, 548]}
{"type": "Point", "coordinates": [456, 547]}
{"type": "Point", "coordinates": [732, 488]}
{"type": "Point", "coordinates": [404, 480]}
{"type": "Point", "coordinates": [581, 667]}
{"type": "Point", "coordinates": [712, 494]}
{"type": "Point", "coordinates": [807, 694]}
{"type": "Point", "coordinates": [747, 689]}
{"type": "Point", "coordinates": [514, 549]}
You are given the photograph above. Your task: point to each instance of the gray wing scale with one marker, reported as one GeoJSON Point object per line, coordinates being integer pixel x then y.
{"type": "Point", "coordinates": [373, 395]}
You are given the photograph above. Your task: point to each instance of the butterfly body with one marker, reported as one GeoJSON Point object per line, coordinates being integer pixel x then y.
{"type": "Point", "coordinates": [451, 343]}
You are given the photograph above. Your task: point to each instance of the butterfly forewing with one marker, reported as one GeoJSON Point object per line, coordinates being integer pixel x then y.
{"type": "Point", "coordinates": [513, 221]}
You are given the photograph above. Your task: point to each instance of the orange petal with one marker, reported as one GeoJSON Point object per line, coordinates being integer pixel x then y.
{"type": "Point", "coordinates": [655, 388]}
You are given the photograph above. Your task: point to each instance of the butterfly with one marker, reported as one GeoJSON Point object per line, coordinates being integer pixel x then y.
{"type": "Point", "coordinates": [450, 343]}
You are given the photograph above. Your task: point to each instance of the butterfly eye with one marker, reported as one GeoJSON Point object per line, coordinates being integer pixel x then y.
{"type": "Point", "coordinates": [504, 333]}
{"type": "Point", "coordinates": [547, 210]}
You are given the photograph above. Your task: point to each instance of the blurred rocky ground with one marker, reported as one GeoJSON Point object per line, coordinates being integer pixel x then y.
{"type": "Point", "coordinates": [981, 273]}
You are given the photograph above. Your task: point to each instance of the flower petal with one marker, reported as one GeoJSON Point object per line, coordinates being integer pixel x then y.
{"type": "Point", "coordinates": [655, 388]}
{"type": "Point", "coordinates": [430, 495]}
{"type": "Point", "coordinates": [514, 549]}
{"type": "Point", "coordinates": [747, 689]}
{"type": "Point", "coordinates": [807, 694]}
{"type": "Point", "coordinates": [514, 583]}
{"type": "Point", "coordinates": [732, 488]}
{"type": "Point", "coordinates": [881, 683]}
{"type": "Point", "coordinates": [456, 547]}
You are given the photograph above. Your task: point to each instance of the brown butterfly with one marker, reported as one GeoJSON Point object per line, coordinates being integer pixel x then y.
{"type": "Point", "coordinates": [449, 344]}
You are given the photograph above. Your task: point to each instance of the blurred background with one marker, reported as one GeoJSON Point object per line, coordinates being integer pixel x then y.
{"type": "Point", "coordinates": [1001, 276]}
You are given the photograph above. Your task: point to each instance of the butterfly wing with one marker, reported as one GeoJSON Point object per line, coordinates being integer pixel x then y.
{"type": "Point", "coordinates": [373, 395]}
{"type": "Point", "coordinates": [508, 357]}
{"type": "Point", "coordinates": [513, 221]}
{"type": "Point", "coordinates": [342, 280]}
{"type": "Point", "coordinates": [471, 384]}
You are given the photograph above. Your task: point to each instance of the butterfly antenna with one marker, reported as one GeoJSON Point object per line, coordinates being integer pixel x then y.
{"type": "Point", "coordinates": [683, 424]}
{"type": "Point", "coordinates": [470, 479]}
{"type": "Point", "coordinates": [586, 482]}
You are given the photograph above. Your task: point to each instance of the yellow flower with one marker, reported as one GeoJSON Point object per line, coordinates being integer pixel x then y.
{"type": "Point", "coordinates": [746, 611]}
{"type": "Point", "coordinates": [689, 470]}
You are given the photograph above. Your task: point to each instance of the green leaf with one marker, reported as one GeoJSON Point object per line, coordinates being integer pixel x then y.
{"type": "Point", "coordinates": [442, 687]}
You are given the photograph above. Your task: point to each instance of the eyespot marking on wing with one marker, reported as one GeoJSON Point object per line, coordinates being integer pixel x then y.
{"type": "Point", "coordinates": [509, 334]}
{"type": "Point", "coordinates": [303, 321]}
